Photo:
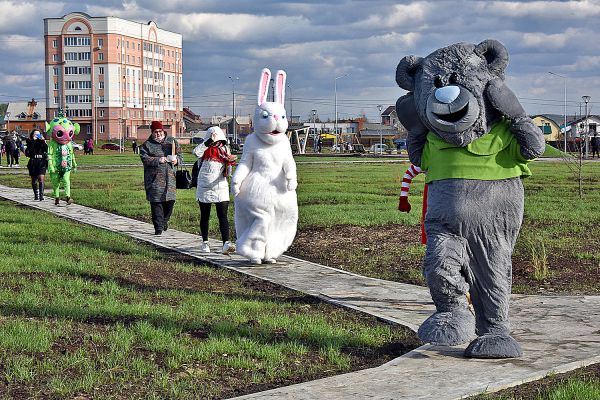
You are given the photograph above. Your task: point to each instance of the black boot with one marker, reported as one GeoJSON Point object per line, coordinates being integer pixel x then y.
{"type": "Point", "coordinates": [41, 196]}
{"type": "Point", "coordinates": [34, 186]}
{"type": "Point", "coordinates": [69, 201]}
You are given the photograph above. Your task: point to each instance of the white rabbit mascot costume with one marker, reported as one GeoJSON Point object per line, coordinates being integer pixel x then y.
{"type": "Point", "coordinates": [264, 183]}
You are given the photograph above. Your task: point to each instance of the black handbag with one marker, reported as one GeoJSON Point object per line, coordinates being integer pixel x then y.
{"type": "Point", "coordinates": [183, 179]}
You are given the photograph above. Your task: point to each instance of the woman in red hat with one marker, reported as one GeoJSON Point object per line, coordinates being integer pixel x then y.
{"type": "Point", "coordinates": [159, 174]}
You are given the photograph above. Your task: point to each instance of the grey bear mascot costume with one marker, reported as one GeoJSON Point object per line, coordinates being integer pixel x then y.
{"type": "Point", "coordinates": [470, 134]}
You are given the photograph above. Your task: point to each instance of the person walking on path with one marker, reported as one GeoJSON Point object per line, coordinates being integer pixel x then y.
{"type": "Point", "coordinates": [10, 146]}
{"type": "Point", "coordinates": [595, 144]}
{"type": "Point", "coordinates": [159, 174]}
{"type": "Point", "coordinates": [134, 147]}
{"type": "Point", "coordinates": [212, 186]}
{"type": "Point", "coordinates": [90, 146]}
{"type": "Point", "coordinates": [37, 151]}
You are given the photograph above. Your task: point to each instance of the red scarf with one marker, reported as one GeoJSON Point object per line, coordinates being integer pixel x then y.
{"type": "Point", "coordinates": [217, 152]}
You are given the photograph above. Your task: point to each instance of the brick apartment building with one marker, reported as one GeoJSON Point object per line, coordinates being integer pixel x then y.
{"type": "Point", "coordinates": [113, 76]}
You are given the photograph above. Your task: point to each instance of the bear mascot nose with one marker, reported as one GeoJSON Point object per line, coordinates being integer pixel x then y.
{"type": "Point", "coordinates": [447, 94]}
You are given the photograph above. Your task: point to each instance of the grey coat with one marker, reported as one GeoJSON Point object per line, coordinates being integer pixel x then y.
{"type": "Point", "coordinates": [159, 179]}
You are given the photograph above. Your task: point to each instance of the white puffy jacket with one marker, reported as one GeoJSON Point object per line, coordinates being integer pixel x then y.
{"type": "Point", "coordinates": [212, 186]}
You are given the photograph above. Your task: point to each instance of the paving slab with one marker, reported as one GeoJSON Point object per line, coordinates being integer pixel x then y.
{"type": "Point", "coordinates": [558, 333]}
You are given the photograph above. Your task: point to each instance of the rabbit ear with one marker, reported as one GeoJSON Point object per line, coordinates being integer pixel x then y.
{"type": "Point", "coordinates": [280, 87]}
{"type": "Point", "coordinates": [263, 86]}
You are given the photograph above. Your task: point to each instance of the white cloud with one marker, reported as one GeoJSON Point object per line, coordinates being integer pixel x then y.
{"type": "Point", "coordinates": [22, 16]}
{"type": "Point", "coordinates": [231, 27]}
{"type": "Point", "coordinates": [398, 16]}
{"type": "Point", "coordinates": [540, 9]}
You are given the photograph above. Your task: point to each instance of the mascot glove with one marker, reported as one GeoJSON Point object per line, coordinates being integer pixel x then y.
{"type": "Point", "coordinates": [404, 205]}
{"type": "Point", "coordinates": [235, 189]}
{"type": "Point", "coordinates": [292, 184]}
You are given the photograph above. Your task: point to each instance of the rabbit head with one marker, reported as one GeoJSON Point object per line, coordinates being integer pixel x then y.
{"type": "Point", "coordinates": [270, 121]}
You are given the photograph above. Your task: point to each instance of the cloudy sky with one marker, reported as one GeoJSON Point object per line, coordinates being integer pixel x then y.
{"type": "Point", "coordinates": [316, 41]}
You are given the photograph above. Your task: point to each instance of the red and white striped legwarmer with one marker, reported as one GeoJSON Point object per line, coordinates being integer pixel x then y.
{"type": "Point", "coordinates": [404, 205]}
{"type": "Point", "coordinates": [410, 173]}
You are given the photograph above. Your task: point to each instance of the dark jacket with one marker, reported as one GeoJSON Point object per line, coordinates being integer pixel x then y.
{"type": "Point", "coordinates": [159, 179]}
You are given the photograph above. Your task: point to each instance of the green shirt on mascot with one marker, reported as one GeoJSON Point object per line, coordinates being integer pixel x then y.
{"type": "Point", "coordinates": [61, 159]}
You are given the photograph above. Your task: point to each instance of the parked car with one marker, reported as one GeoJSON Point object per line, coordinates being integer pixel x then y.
{"type": "Point", "coordinates": [77, 146]}
{"type": "Point", "coordinates": [379, 148]}
{"type": "Point", "coordinates": [111, 146]}
{"type": "Point", "coordinates": [400, 144]}
{"type": "Point", "coordinates": [197, 140]}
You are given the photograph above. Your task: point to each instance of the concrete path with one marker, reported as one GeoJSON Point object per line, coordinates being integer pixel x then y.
{"type": "Point", "coordinates": [557, 333]}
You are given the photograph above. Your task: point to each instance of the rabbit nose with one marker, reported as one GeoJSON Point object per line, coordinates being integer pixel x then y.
{"type": "Point", "coordinates": [276, 117]}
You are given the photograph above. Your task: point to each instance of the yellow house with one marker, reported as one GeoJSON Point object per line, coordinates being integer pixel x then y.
{"type": "Point", "coordinates": [550, 128]}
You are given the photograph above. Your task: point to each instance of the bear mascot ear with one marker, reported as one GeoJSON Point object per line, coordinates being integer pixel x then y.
{"type": "Point", "coordinates": [77, 128]}
{"type": "Point", "coordinates": [406, 70]}
{"type": "Point", "coordinates": [48, 128]}
{"type": "Point", "coordinates": [495, 54]}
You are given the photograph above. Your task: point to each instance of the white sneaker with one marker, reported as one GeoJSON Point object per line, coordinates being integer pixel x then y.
{"type": "Point", "coordinates": [270, 261]}
{"type": "Point", "coordinates": [205, 248]}
{"type": "Point", "coordinates": [228, 248]}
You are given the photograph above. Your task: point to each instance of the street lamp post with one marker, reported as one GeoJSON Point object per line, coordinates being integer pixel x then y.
{"type": "Point", "coordinates": [586, 100]}
{"type": "Point", "coordinates": [565, 121]}
{"type": "Point", "coordinates": [291, 116]}
{"type": "Point", "coordinates": [335, 111]}
{"type": "Point", "coordinates": [233, 79]}
{"type": "Point", "coordinates": [314, 113]}
{"type": "Point", "coordinates": [380, 107]}
{"type": "Point", "coordinates": [7, 117]}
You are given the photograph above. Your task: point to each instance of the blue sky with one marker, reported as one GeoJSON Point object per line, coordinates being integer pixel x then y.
{"type": "Point", "coordinates": [316, 41]}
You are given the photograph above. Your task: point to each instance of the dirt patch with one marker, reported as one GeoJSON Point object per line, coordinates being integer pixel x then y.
{"type": "Point", "coordinates": [392, 252]}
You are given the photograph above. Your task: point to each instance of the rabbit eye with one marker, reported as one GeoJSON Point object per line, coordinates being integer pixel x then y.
{"type": "Point", "coordinates": [283, 117]}
{"type": "Point", "coordinates": [265, 114]}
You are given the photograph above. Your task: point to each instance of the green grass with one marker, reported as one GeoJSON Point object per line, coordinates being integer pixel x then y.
{"type": "Point", "coordinates": [88, 312]}
{"type": "Point", "coordinates": [367, 195]}
{"type": "Point", "coordinates": [575, 386]}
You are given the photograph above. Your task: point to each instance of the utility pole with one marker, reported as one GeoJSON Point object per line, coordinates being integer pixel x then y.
{"type": "Point", "coordinates": [233, 79]}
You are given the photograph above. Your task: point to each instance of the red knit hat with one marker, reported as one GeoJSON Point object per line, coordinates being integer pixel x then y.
{"type": "Point", "coordinates": [155, 125]}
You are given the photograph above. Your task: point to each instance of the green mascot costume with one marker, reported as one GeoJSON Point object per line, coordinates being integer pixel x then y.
{"type": "Point", "coordinates": [61, 159]}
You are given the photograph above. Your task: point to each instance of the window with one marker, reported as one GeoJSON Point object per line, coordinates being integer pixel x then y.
{"type": "Point", "coordinates": [127, 58]}
{"type": "Point", "coordinates": [55, 85]}
{"type": "Point", "coordinates": [128, 44]}
{"type": "Point", "coordinates": [101, 113]}
{"type": "Point", "coordinates": [55, 43]}
{"type": "Point", "coordinates": [101, 128]}
{"type": "Point", "coordinates": [72, 56]}
{"type": "Point", "coordinates": [77, 41]}
{"type": "Point", "coordinates": [55, 57]}
{"type": "Point", "coordinates": [71, 99]}
{"type": "Point", "coordinates": [70, 70]}
{"type": "Point", "coordinates": [101, 70]}
{"type": "Point", "coordinates": [55, 71]}
{"type": "Point", "coordinates": [101, 99]}
{"type": "Point", "coordinates": [101, 85]}
{"type": "Point", "coordinates": [100, 56]}
{"type": "Point", "coordinates": [100, 43]}
{"type": "Point", "coordinates": [84, 70]}
{"type": "Point", "coordinates": [77, 28]}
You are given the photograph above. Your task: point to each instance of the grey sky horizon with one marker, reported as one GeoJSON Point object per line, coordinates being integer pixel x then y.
{"type": "Point", "coordinates": [317, 41]}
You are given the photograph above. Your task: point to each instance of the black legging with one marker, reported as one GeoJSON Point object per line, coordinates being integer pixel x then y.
{"type": "Point", "coordinates": [221, 214]}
